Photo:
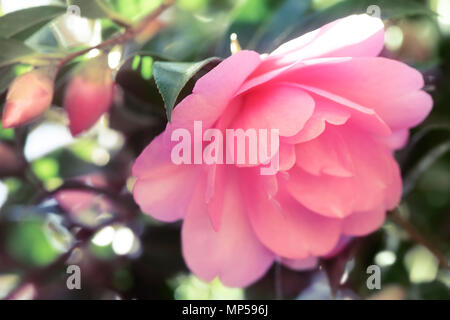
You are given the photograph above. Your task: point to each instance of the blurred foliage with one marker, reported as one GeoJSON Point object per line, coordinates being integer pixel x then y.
{"type": "Point", "coordinates": [145, 260]}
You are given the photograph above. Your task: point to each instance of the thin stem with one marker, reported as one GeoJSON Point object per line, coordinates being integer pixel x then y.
{"type": "Point", "coordinates": [129, 34]}
{"type": "Point", "coordinates": [120, 23]}
{"type": "Point", "coordinates": [418, 237]}
{"type": "Point", "coordinates": [278, 281]}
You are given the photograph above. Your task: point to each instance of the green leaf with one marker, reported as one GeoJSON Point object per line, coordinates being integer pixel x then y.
{"type": "Point", "coordinates": [28, 243]}
{"type": "Point", "coordinates": [6, 134]}
{"type": "Point", "coordinates": [7, 75]}
{"type": "Point", "coordinates": [171, 78]}
{"type": "Point", "coordinates": [28, 21]}
{"type": "Point", "coordinates": [271, 34]}
{"type": "Point", "coordinates": [13, 51]}
{"type": "Point", "coordinates": [425, 148]}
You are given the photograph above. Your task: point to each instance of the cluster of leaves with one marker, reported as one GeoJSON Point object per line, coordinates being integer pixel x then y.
{"type": "Point", "coordinates": [153, 75]}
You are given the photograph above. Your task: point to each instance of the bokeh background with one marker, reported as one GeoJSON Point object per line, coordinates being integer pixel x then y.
{"type": "Point", "coordinates": [67, 201]}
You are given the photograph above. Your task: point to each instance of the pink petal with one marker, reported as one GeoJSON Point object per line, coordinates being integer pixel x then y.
{"type": "Point", "coordinates": [362, 117]}
{"type": "Point", "coordinates": [233, 253]}
{"type": "Point", "coordinates": [166, 197]}
{"type": "Point", "coordinates": [325, 111]}
{"type": "Point", "coordinates": [257, 79]}
{"type": "Point", "coordinates": [213, 92]}
{"type": "Point", "coordinates": [340, 246]}
{"type": "Point", "coordinates": [155, 159]}
{"type": "Point", "coordinates": [289, 229]}
{"type": "Point", "coordinates": [163, 189]}
{"type": "Point", "coordinates": [397, 140]}
{"type": "Point", "coordinates": [308, 263]}
{"type": "Point", "coordinates": [352, 36]}
{"type": "Point", "coordinates": [367, 82]}
{"type": "Point", "coordinates": [375, 180]}
{"type": "Point", "coordinates": [283, 107]}
{"type": "Point", "coordinates": [217, 175]}
{"type": "Point", "coordinates": [287, 156]}
{"type": "Point", "coordinates": [327, 154]}
{"type": "Point", "coordinates": [363, 223]}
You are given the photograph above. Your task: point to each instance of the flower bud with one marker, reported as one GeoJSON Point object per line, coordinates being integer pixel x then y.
{"type": "Point", "coordinates": [89, 95]}
{"type": "Point", "coordinates": [29, 96]}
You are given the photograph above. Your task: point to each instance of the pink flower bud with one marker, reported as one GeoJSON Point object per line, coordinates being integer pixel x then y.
{"type": "Point", "coordinates": [88, 96]}
{"type": "Point", "coordinates": [29, 96]}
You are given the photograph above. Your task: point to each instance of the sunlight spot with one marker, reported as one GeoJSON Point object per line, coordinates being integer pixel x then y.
{"type": "Point", "coordinates": [421, 264]}
{"type": "Point", "coordinates": [104, 237]}
{"type": "Point", "coordinates": [385, 258]}
{"type": "Point", "coordinates": [114, 58]}
{"type": "Point", "coordinates": [123, 241]}
{"type": "Point", "coordinates": [393, 38]}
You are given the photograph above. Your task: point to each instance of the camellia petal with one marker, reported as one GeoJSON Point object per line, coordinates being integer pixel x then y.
{"type": "Point", "coordinates": [163, 189]}
{"type": "Point", "coordinates": [374, 174]}
{"type": "Point", "coordinates": [283, 107]}
{"type": "Point", "coordinates": [286, 227]}
{"type": "Point", "coordinates": [397, 99]}
{"type": "Point", "coordinates": [352, 36]}
{"type": "Point", "coordinates": [210, 254]}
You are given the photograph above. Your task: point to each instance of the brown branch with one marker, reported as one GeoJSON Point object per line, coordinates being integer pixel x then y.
{"type": "Point", "coordinates": [416, 236]}
{"type": "Point", "coordinates": [129, 34]}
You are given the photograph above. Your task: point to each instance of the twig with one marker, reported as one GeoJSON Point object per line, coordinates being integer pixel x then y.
{"type": "Point", "coordinates": [278, 281]}
{"type": "Point", "coordinates": [418, 237]}
{"type": "Point", "coordinates": [121, 23]}
{"type": "Point", "coordinates": [124, 37]}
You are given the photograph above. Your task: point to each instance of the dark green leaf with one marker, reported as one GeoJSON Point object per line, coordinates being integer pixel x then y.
{"type": "Point", "coordinates": [13, 51]}
{"type": "Point", "coordinates": [171, 77]}
{"type": "Point", "coordinates": [271, 35]}
{"type": "Point", "coordinates": [425, 148]}
{"type": "Point", "coordinates": [7, 75]}
{"type": "Point", "coordinates": [28, 21]}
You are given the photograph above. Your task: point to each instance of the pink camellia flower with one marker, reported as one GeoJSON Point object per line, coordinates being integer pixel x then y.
{"type": "Point", "coordinates": [29, 96]}
{"type": "Point", "coordinates": [341, 111]}
{"type": "Point", "coordinates": [89, 95]}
